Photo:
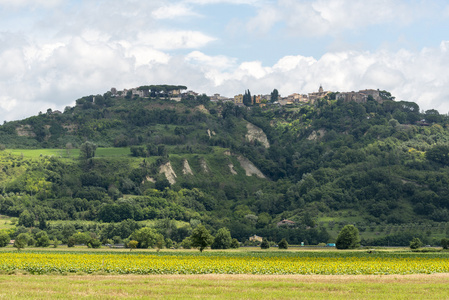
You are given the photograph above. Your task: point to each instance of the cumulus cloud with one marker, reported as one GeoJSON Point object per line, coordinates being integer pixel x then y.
{"type": "Point", "coordinates": [173, 11]}
{"type": "Point", "coordinates": [218, 62]}
{"type": "Point", "coordinates": [54, 75]}
{"type": "Point", "coordinates": [322, 17]}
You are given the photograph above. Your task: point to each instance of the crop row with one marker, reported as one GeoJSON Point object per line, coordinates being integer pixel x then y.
{"type": "Point", "coordinates": [43, 263]}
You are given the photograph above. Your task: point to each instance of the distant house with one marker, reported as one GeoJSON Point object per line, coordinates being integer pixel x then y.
{"type": "Point", "coordinates": [174, 93]}
{"type": "Point", "coordinates": [285, 101]}
{"type": "Point", "coordinates": [285, 222]}
{"type": "Point", "coordinates": [238, 99]}
{"type": "Point", "coordinates": [360, 96]}
{"type": "Point", "coordinates": [140, 93]}
{"type": "Point", "coordinates": [255, 238]}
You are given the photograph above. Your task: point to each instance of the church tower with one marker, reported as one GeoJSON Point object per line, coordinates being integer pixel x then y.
{"type": "Point", "coordinates": [321, 89]}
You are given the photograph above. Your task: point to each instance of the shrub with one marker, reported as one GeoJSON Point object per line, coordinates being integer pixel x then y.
{"type": "Point", "coordinates": [4, 239]}
{"type": "Point", "coordinates": [265, 244]}
{"type": "Point", "coordinates": [21, 241]}
{"type": "Point", "coordinates": [94, 243]}
{"type": "Point", "coordinates": [168, 243]}
{"type": "Point", "coordinates": [235, 244]}
{"type": "Point", "coordinates": [42, 239]}
{"type": "Point", "coordinates": [283, 244]}
{"type": "Point", "coordinates": [348, 238]}
{"type": "Point", "coordinates": [71, 242]}
{"type": "Point", "coordinates": [415, 243]}
{"type": "Point", "coordinates": [445, 243]}
{"type": "Point", "coordinates": [186, 243]}
{"type": "Point", "coordinates": [222, 239]}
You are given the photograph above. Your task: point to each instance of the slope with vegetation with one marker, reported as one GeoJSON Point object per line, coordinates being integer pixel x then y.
{"type": "Point", "coordinates": [380, 166]}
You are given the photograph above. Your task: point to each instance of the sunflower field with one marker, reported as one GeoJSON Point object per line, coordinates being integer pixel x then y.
{"type": "Point", "coordinates": [223, 263]}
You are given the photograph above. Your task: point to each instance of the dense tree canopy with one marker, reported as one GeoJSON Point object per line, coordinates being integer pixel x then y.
{"type": "Point", "coordinates": [348, 238]}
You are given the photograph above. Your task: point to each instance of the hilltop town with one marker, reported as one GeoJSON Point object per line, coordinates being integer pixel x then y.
{"type": "Point", "coordinates": [177, 93]}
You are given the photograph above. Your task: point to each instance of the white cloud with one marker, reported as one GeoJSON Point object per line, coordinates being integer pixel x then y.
{"type": "Point", "coordinates": [266, 18]}
{"type": "Point", "coordinates": [170, 39]}
{"type": "Point", "coordinates": [322, 17]}
{"type": "Point", "coordinates": [204, 2]}
{"type": "Point", "coordinates": [30, 3]}
{"type": "Point", "coordinates": [54, 75]}
{"type": "Point", "coordinates": [252, 69]}
{"type": "Point", "coordinates": [219, 62]}
{"type": "Point", "coordinates": [288, 63]}
{"type": "Point", "coordinates": [173, 11]}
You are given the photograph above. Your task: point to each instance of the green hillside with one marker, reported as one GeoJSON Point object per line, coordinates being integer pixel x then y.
{"type": "Point", "coordinates": [381, 165]}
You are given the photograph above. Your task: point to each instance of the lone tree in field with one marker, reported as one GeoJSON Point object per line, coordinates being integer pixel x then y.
{"type": "Point", "coordinates": [283, 244]}
{"type": "Point", "coordinates": [21, 241]}
{"type": "Point", "coordinates": [348, 238]}
{"type": "Point", "coordinates": [445, 243]}
{"type": "Point", "coordinates": [415, 243]}
{"type": "Point", "coordinates": [201, 238]}
{"type": "Point", "coordinates": [132, 244]}
{"type": "Point", "coordinates": [265, 244]}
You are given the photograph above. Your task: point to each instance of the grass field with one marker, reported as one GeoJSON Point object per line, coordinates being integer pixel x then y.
{"type": "Point", "coordinates": [84, 273]}
{"type": "Point", "coordinates": [7, 222]}
{"type": "Point", "coordinates": [213, 286]}
{"type": "Point", "coordinates": [71, 153]}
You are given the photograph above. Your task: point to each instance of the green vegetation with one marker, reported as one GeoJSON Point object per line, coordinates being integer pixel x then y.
{"type": "Point", "coordinates": [201, 238]}
{"type": "Point", "coordinates": [415, 243]}
{"type": "Point", "coordinates": [283, 244]}
{"type": "Point", "coordinates": [348, 238]}
{"type": "Point", "coordinates": [22, 286]}
{"type": "Point", "coordinates": [381, 166]}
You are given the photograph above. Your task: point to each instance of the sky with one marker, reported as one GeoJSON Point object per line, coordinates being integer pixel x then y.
{"type": "Point", "coordinates": [53, 52]}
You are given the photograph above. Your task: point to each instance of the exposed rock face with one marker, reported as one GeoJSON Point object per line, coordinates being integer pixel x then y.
{"type": "Point", "coordinates": [210, 133]}
{"type": "Point", "coordinates": [249, 167]}
{"type": "Point", "coordinates": [256, 134]}
{"type": "Point", "coordinates": [202, 109]}
{"type": "Point", "coordinates": [186, 170]}
{"type": "Point", "coordinates": [169, 173]}
{"type": "Point", "coordinates": [315, 135]}
{"type": "Point", "coordinates": [204, 166]}
{"type": "Point", "coordinates": [231, 168]}
{"type": "Point", "coordinates": [25, 130]}
{"type": "Point", "coordinates": [227, 153]}
{"type": "Point", "coordinates": [149, 179]}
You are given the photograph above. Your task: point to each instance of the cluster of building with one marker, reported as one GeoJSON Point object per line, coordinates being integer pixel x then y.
{"type": "Point", "coordinates": [261, 100]}
{"type": "Point", "coordinates": [175, 95]}
{"type": "Point", "coordinates": [295, 98]}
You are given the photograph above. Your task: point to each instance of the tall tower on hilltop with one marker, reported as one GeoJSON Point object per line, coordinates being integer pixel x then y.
{"type": "Point", "coordinates": [320, 90]}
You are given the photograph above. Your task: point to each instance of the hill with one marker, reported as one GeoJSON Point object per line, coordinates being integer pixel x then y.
{"type": "Point", "coordinates": [382, 165]}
